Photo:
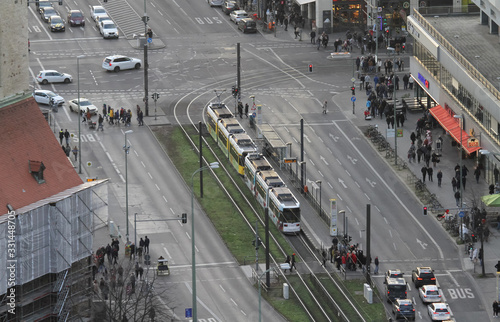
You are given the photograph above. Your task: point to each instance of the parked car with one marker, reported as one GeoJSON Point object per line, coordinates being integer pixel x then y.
{"type": "Point", "coordinates": [229, 6]}
{"type": "Point", "coordinates": [429, 294]}
{"type": "Point", "coordinates": [403, 309]}
{"type": "Point", "coordinates": [237, 15]}
{"type": "Point", "coordinates": [75, 18]}
{"type": "Point", "coordinates": [84, 103]}
{"type": "Point", "coordinates": [96, 11]}
{"type": "Point", "coordinates": [47, 12]}
{"type": "Point", "coordinates": [53, 76]}
{"type": "Point", "coordinates": [119, 62]}
{"type": "Point", "coordinates": [43, 96]}
{"type": "Point", "coordinates": [439, 311]}
{"type": "Point", "coordinates": [247, 25]}
{"type": "Point", "coordinates": [107, 29]}
{"type": "Point", "coordinates": [56, 24]}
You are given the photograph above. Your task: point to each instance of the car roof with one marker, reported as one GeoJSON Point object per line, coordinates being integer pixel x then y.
{"type": "Point", "coordinates": [48, 71]}
{"type": "Point", "coordinates": [396, 280]}
{"type": "Point", "coordinates": [247, 19]}
{"type": "Point", "coordinates": [404, 301]}
{"type": "Point", "coordinates": [98, 7]}
{"type": "Point", "coordinates": [430, 287]}
{"type": "Point", "coordinates": [238, 12]}
{"type": "Point", "coordinates": [116, 56]}
{"type": "Point", "coordinates": [394, 271]}
{"type": "Point", "coordinates": [440, 305]}
{"type": "Point", "coordinates": [55, 16]}
{"type": "Point", "coordinates": [43, 91]}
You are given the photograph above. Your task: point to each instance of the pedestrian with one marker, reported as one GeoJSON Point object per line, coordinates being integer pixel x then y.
{"type": "Point", "coordinates": [439, 177]}
{"type": "Point", "coordinates": [240, 109]}
{"type": "Point", "coordinates": [66, 136]}
{"type": "Point", "coordinates": [419, 153]}
{"type": "Point", "coordinates": [457, 197]}
{"type": "Point", "coordinates": [141, 244]}
{"type": "Point", "coordinates": [464, 180]}
{"type": "Point", "coordinates": [75, 153]}
{"type": "Point", "coordinates": [496, 173]}
{"type": "Point", "coordinates": [296, 31]}
{"type": "Point", "coordinates": [477, 173]}
{"type": "Point", "coordinates": [375, 271]}
{"type": "Point", "coordinates": [410, 82]}
{"type": "Point", "coordinates": [429, 173]}
{"type": "Point", "coordinates": [495, 308]}
{"type": "Point", "coordinates": [323, 254]}
{"type": "Point", "coordinates": [331, 251]}
{"type": "Point", "coordinates": [324, 107]}
{"type": "Point", "coordinates": [140, 118]}
{"type": "Point", "coordinates": [424, 172]}
{"type": "Point", "coordinates": [413, 137]}
{"type": "Point", "coordinates": [286, 23]}
{"type": "Point", "coordinates": [292, 266]}
{"type": "Point", "coordinates": [313, 36]}
{"type": "Point", "coordinates": [287, 261]}
{"type": "Point", "coordinates": [61, 136]}
{"type": "Point", "coordinates": [454, 184]}
{"type": "Point", "coordinates": [146, 245]}
{"type": "Point", "coordinates": [246, 110]}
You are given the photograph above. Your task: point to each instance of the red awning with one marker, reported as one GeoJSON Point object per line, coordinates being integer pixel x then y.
{"type": "Point", "coordinates": [452, 126]}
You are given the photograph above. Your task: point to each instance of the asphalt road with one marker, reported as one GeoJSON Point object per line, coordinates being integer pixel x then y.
{"type": "Point", "coordinates": [200, 56]}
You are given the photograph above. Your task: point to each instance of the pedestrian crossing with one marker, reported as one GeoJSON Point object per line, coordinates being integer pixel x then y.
{"type": "Point", "coordinates": [125, 17]}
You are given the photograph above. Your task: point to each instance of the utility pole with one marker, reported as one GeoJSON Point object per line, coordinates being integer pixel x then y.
{"type": "Point", "coordinates": [145, 18]}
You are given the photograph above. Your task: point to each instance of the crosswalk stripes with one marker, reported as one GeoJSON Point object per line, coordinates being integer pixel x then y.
{"type": "Point", "coordinates": [125, 17]}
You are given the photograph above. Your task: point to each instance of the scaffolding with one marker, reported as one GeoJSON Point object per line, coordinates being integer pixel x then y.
{"type": "Point", "coordinates": [53, 248]}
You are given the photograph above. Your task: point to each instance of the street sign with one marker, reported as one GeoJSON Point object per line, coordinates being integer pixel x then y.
{"type": "Point", "coordinates": [461, 214]}
{"type": "Point", "coordinates": [390, 133]}
{"type": "Point", "coordinates": [399, 133]}
{"type": "Point", "coordinates": [353, 99]}
{"type": "Point", "coordinates": [89, 164]}
{"type": "Point", "coordinates": [254, 114]}
{"type": "Point", "coordinates": [353, 79]}
{"type": "Point", "coordinates": [189, 313]}
{"type": "Point", "coordinates": [150, 40]}
{"type": "Point", "coordinates": [290, 160]}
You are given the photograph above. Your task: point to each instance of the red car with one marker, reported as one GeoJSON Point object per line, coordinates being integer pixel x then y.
{"type": "Point", "coordinates": [76, 18]}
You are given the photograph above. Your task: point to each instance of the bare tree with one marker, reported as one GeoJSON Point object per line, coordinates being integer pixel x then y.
{"type": "Point", "coordinates": [125, 292]}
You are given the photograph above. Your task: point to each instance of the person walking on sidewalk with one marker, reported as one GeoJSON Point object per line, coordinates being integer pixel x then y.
{"type": "Point", "coordinates": [424, 172]}
{"type": "Point", "coordinates": [286, 23]}
{"type": "Point", "coordinates": [61, 136]}
{"type": "Point", "coordinates": [146, 245]}
{"type": "Point", "coordinates": [429, 173]}
{"type": "Point", "coordinates": [292, 266]}
{"type": "Point", "coordinates": [375, 271]}
{"type": "Point", "coordinates": [439, 177]}
{"type": "Point", "coordinates": [75, 153]}
{"type": "Point", "coordinates": [324, 107]}
{"type": "Point", "coordinates": [495, 308]}
{"type": "Point", "coordinates": [477, 173]}
{"type": "Point", "coordinates": [454, 184]}
{"type": "Point", "coordinates": [457, 197]}
{"type": "Point", "coordinates": [66, 136]}
{"type": "Point", "coordinates": [313, 36]}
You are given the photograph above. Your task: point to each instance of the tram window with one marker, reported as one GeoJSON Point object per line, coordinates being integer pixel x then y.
{"type": "Point", "coordinates": [241, 160]}
{"type": "Point", "coordinates": [222, 138]}
{"type": "Point", "coordinates": [260, 190]}
{"type": "Point", "coordinates": [291, 214]}
{"type": "Point", "coordinates": [234, 153]}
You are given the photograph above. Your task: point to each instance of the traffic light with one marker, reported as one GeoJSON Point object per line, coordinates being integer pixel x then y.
{"type": "Point", "coordinates": [259, 242]}
{"type": "Point", "coordinates": [235, 94]}
{"type": "Point", "coordinates": [350, 238]}
{"type": "Point", "coordinates": [425, 210]}
{"type": "Point", "coordinates": [497, 266]}
{"type": "Point", "coordinates": [184, 218]}
{"type": "Point", "coordinates": [353, 90]}
{"type": "Point", "coordinates": [385, 22]}
{"type": "Point", "coordinates": [310, 68]}
{"type": "Point", "coordinates": [233, 90]}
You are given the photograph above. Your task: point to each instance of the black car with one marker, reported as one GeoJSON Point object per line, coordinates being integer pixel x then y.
{"type": "Point", "coordinates": [229, 6]}
{"type": "Point", "coordinates": [48, 12]}
{"type": "Point", "coordinates": [403, 309]}
{"type": "Point", "coordinates": [423, 276]}
{"type": "Point", "coordinates": [56, 24]}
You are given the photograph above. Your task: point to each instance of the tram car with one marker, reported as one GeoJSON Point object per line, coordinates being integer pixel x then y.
{"type": "Point", "coordinates": [229, 135]}
{"type": "Point", "coordinates": [269, 189]}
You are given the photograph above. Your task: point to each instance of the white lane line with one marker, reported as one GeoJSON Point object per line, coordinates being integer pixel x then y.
{"type": "Point", "coordinates": [338, 196]}
{"type": "Point", "coordinates": [234, 302]}
{"type": "Point", "coordinates": [357, 222]}
{"type": "Point", "coordinates": [348, 173]}
{"type": "Point", "coordinates": [149, 174]}
{"type": "Point", "coordinates": [321, 173]}
{"type": "Point", "coordinates": [357, 184]}
{"type": "Point", "coordinates": [187, 234]}
{"type": "Point", "coordinates": [143, 164]}
{"type": "Point", "coordinates": [453, 279]}
{"type": "Point", "coordinates": [223, 290]}
{"type": "Point", "coordinates": [166, 251]}
{"type": "Point", "coordinates": [386, 222]}
{"type": "Point", "coordinates": [172, 211]}
{"type": "Point", "coordinates": [367, 196]}
{"type": "Point", "coordinates": [109, 157]}
{"type": "Point", "coordinates": [200, 301]}
{"type": "Point", "coordinates": [165, 199]}
{"type": "Point", "coordinates": [136, 154]}
{"type": "Point", "coordinates": [123, 179]}
{"type": "Point", "coordinates": [157, 187]}
{"type": "Point", "coordinates": [330, 185]}
{"type": "Point", "coordinates": [390, 233]}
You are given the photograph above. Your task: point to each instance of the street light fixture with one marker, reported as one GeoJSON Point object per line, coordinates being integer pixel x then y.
{"type": "Point", "coordinates": [126, 149]}
{"type": "Point", "coordinates": [303, 173]}
{"type": "Point", "coordinates": [79, 113]}
{"type": "Point", "coordinates": [213, 165]}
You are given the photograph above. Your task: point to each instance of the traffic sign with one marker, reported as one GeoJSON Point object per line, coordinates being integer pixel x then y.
{"type": "Point", "coordinates": [189, 312]}
{"type": "Point", "coordinates": [461, 214]}
{"type": "Point", "coordinates": [353, 99]}
{"type": "Point", "coordinates": [353, 79]}
{"type": "Point", "coordinates": [254, 114]}
{"type": "Point", "coordinates": [150, 40]}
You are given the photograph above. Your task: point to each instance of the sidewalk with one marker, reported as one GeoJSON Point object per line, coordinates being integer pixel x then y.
{"type": "Point", "coordinates": [445, 194]}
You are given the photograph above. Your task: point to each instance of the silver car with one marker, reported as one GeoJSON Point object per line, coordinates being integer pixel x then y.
{"type": "Point", "coordinates": [119, 62]}
{"type": "Point", "coordinates": [53, 76]}
{"type": "Point", "coordinates": [43, 96]}
{"type": "Point", "coordinates": [429, 294]}
{"type": "Point", "coordinates": [85, 104]}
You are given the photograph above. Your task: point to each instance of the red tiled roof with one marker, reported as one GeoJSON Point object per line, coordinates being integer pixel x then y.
{"type": "Point", "coordinates": [25, 135]}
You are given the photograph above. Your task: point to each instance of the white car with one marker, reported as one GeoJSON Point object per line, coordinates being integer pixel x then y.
{"type": "Point", "coordinates": [439, 311]}
{"type": "Point", "coordinates": [96, 11]}
{"type": "Point", "coordinates": [43, 96]}
{"type": "Point", "coordinates": [85, 103]}
{"type": "Point", "coordinates": [237, 15]}
{"type": "Point", "coordinates": [100, 19]}
{"type": "Point", "coordinates": [53, 76]}
{"type": "Point", "coordinates": [119, 62]}
{"type": "Point", "coordinates": [429, 294]}
{"type": "Point", "coordinates": [108, 29]}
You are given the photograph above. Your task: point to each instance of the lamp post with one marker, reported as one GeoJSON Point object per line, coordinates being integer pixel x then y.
{"type": "Point", "coordinates": [461, 117]}
{"type": "Point", "coordinates": [319, 203]}
{"type": "Point", "coordinates": [260, 296]}
{"type": "Point", "coordinates": [345, 223]}
{"type": "Point", "coordinates": [126, 149]}
{"type": "Point", "coordinates": [79, 113]}
{"type": "Point", "coordinates": [303, 173]}
{"type": "Point", "coordinates": [213, 165]}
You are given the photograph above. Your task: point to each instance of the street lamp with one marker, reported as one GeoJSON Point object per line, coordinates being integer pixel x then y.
{"type": "Point", "coordinates": [461, 117]}
{"type": "Point", "coordinates": [126, 149]}
{"type": "Point", "coordinates": [303, 173]}
{"type": "Point", "coordinates": [79, 113]}
{"type": "Point", "coordinates": [319, 184]}
{"type": "Point", "coordinates": [213, 165]}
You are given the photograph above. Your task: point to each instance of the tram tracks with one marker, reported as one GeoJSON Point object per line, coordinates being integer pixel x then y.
{"type": "Point", "coordinates": [251, 82]}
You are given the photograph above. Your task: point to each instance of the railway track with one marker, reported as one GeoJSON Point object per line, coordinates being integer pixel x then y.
{"type": "Point", "coordinates": [253, 81]}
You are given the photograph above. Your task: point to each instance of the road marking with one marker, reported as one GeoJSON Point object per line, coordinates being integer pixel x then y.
{"type": "Point", "coordinates": [234, 302]}
{"type": "Point", "coordinates": [201, 302]}
{"type": "Point", "coordinates": [136, 154]}
{"type": "Point", "coordinates": [165, 199]}
{"type": "Point", "coordinates": [338, 161]}
{"type": "Point", "coordinates": [390, 233]}
{"type": "Point", "coordinates": [357, 222]}
{"type": "Point", "coordinates": [321, 173]}
{"type": "Point", "coordinates": [157, 186]}
{"type": "Point", "coordinates": [367, 196]}
{"type": "Point", "coordinates": [348, 173]}
{"type": "Point", "coordinates": [172, 211]}
{"type": "Point", "coordinates": [334, 138]}
{"type": "Point", "coordinates": [321, 139]}
{"type": "Point", "coordinates": [149, 174]}
{"type": "Point", "coordinates": [223, 290]}
{"type": "Point", "coordinates": [311, 161]}
{"type": "Point", "coordinates": [143, 164]}
{"type": "Point", "coordinates": [338, 196]}
{"type": "Point", "coordinates": [343, 184]}
{"type": "Point", "coordinates": [307, 138]}
{"type": "Point", "coordinates": [453, 279]}
{"type": "Point", "coordinates": [394, 244]}
{"type": "Point", "coordinates": [123, 179]}
{"type": "Point", "coordinates": [386, 222]}
{"type": "Point", "coordinates": [424, 245]}
{"type": "Point", "coordinates": [441, 255]}
{"type": "Point", "coordinates": [353, 160]}
{"type": "Point", "coordinates": [330, 185]}
{"type": "Point", "coordinates": [109, 157]}
{"type": "Point", "coordinates": [357, 184]}
{"type": "Point", "coordinates": [371, 183]}
{"type": "Point", "coordinates": [166, 251]}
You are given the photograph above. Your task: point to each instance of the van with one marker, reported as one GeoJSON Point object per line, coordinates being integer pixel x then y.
{"type": "Point", "coordinates": [247, 25]}
{"type": "Point", "coordinates": [395, 288]}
